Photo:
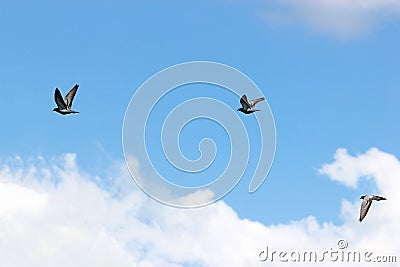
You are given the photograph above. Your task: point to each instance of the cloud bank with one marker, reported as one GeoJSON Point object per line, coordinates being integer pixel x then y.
{"type": "Point", "coordinates": [52, 213]}
{"type": "Point", "coordinates": [341, 18]}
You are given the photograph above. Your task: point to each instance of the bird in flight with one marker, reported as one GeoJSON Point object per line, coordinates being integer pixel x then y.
{"type": "Point", "coordinates": [64, 105]}
{"type": "Point", "coordinates": [248, 106]}
{"type": "Point", "coordinates": [366, 204]}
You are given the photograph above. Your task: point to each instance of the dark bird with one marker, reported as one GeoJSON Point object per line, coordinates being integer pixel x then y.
{"type": "Point", "coordinates": [366, 204]}
{"type": "Point", "coordinates": [248, 106]}
{"type": "Point", "coordinates": [64, 105]}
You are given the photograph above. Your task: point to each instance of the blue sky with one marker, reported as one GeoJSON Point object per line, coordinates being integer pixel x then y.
{"type": "Point", "coordinates": [329, 86]}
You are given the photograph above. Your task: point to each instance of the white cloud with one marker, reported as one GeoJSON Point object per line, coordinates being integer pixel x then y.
{"type": "Point", "coordinates": [197, 198]}
{"type": "Point", "coordinates": [18, 199]}
{"type": "Point", "coordinates": [341, 18]}
{"type": "Point", "coordinates": [54, 214]}
{"type": "Point", "coordinates": [374, 164]}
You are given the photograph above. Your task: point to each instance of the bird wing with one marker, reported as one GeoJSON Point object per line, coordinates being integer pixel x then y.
{"type": "Point", "coordinates": [255, 101]}
{"type": "Point", "coordinates": [243, 101]}
{"type": "Point", "coordinates": [365, 205]}
{"type": "Point", "coordinates": [70, 96]}
{"type": "Point", "coordinates": [378, 198]}
{"type": "Point", "coordinates": [59, 100]}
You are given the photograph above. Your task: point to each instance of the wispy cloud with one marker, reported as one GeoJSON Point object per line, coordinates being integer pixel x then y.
{"type": "Point", "coordinates": [54, 214]}
{"type": "Point", "coordinates": [341, 18]}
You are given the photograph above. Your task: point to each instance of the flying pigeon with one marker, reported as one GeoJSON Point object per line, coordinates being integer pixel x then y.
{"type": "Point", "coordinates": [248, 106]}
{"type": "Point", "coordinates": [64, 105]}
{"type": "Point", "coordinates": [366, 203]}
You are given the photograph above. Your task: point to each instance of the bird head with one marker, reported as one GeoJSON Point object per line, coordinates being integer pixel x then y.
{"type": "Point", "coordinates": [55, 109]}
{"type": "Point", "coordinates": [362, 197]}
